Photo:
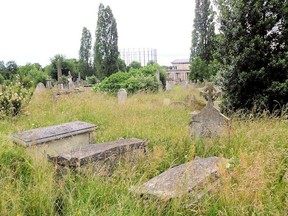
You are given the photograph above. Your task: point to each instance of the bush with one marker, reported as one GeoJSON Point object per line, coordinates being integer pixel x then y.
{"type": "Point", "coordinates": [1, 79]}
{"type": "Point", "coordinates": [12, 99]}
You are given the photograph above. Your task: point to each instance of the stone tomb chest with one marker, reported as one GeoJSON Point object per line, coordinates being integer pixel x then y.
{"type": "Point", "coordinates": [54, 140]}
{"type": "Point", "coordinates": [93, 153]}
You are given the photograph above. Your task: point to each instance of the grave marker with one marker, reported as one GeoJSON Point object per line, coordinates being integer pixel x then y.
{"type": "Point", "coordinates": [122, 96]}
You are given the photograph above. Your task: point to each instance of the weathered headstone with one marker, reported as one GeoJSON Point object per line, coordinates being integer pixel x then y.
{"type": "Point", "coordinates": [48, 83]}
{"type": "Point", "coordinates": [59, 75]}
{"type": "Point", "coordinates": [39, 88]}
{"type": "Point", "coordinates": [195, 178]}
{"type": "Point", "coordinates": [209, 121]}
{"type": "Point", "coordinates": [122, 96]}
{"type": "Point", "coordinates": [168, 86]}
{"type": "Point", "coordinates": [108, 151]}
{"type": "Point", "coordinates": [56, 139]}
{"type": "Point", "coordinates": [70, 81]}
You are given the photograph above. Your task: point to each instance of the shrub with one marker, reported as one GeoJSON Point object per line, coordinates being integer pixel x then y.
{"type": "Point", "coordinates": [12, 99]}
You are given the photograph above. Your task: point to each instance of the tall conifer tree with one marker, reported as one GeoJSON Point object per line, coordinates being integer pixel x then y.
{"type": "Point", "coordinates": [203, 38]}
{"type": "Point", "coordinates": [85, 53]}
{"type": "Point", "coordinates": [106, 46]}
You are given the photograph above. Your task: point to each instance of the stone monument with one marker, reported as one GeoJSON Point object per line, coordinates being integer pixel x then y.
{"type": "Point", "coordinates": [48, 83]}
{"type": "Point", "coordinates": [209, 121]}
{"type": "Point", "coordinates": [70, 81]}
{"type": "Point", "coordinates": [59, 75]}
{"type": "Point", "coordinates": [39, 88]}
{"type": "Point", "coordinates": [122, 96]}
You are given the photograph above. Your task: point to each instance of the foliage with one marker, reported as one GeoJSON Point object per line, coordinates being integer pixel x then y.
{"type": "Point", "coordinates": [106, 52]}
{"type": "Point", "coordinates": [136, 80]}
{"type": "Point", "coordinates": [85, 65]}
{"type": "Point", "coordinates": [1, 79]}
{"type": "Point", "coordinates": [122, 65]}
{"type": "Point", "coordinates": [199, 70]}
{"type": "Point", "coordinates": [12, 99]}
{"type": "Point", "coordinates": [8, 70]}
{"type": "Point", "coordinates": [67, 65]}
{"type": "Point", "coordinates": [203, 41]}
{"type": "Point", "coordinates": [31, 74]}
{"type": "Point", "coordinates": [135, 65]}
{"type": "Point", "coordinates": [254, 53]}
{"type": "Point", "coordinates": [92, 80]}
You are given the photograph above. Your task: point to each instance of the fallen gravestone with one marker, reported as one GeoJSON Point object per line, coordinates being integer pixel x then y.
{"type": "Point", "coordinates": [56, 139]}
{"type": "Point", "coordinates": [108, 151]}
{"type": "Point", "coordinates": [194, 178]}
{"type": "Point", "coordinates": [209, 121]}
{"type": "Point", "coordinates": [122, 96]}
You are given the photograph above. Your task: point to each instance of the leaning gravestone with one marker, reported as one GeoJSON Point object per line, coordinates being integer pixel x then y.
{"type": "Point", "coordinates": [56, 139]}
{"type": "Point", "coordinates": [39, 88]}
{"type": "Point", "coordinates": [122, 96]}
{"type": "Point", "coordinates": [93, 153]}
{"type": "Point", "coordinates": [209, 121]}
{"type": "Point", "coordinates": [195, 178]}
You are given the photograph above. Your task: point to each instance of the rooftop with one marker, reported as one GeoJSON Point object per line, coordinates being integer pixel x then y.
{"type": "Point", "coordinates": [181, 61]}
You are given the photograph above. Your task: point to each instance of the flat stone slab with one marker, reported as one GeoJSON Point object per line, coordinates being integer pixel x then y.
{"type": "Point", "coordinates": [97, 152]}
{"type": "Point", "coordinates": [47, 134]}
{"type": "Point", "coordinates": [194, 178]}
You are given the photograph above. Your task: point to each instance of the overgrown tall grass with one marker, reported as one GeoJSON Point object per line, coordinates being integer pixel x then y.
{"type": "Point", "coordinates": [254, 184]}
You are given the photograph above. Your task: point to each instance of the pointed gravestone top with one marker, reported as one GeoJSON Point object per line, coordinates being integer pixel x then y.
{"type": "Point", "coordinates": [209, 121]}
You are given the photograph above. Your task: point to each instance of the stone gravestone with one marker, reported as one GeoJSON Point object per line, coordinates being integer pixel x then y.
{"type": "Point", "coordinates": [39, 88]}
{"type": "Point", "coordinates": [59, 75]}
{"type": "Point", "coordinates": [209, 121]}
{"type": "Point", "coordinates": [195, 178]}
{"type": "Point", "coordinates": [48, 83]}
{"type": "Point", "coordinates": [122, 96]}
{"type": "Point", "coordinates": [70, 81]}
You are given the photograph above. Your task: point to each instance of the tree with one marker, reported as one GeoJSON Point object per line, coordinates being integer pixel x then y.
{"type": "Point", "coordinates": [85, 53]}
{"type": "Point", "coordinates": [106, 46]}
{"type": "Point", "coordinates": [203, 35]}
{"type": "Point", "coordinates": [255, 54]}
{"type": "Point", "coordinates": [135, 65]}
{"type": "Point", "coordinates": [66, 64]}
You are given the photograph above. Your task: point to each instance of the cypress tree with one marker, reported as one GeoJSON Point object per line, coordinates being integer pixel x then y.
{"type": "Point", "coordinates": [203, 38]}
{"type": "Point", "coordinates": [106, 46]}
{"type": "Point", "coordinates": [254, 53]}
{"type": "Point", "coordinates": [85, 53]}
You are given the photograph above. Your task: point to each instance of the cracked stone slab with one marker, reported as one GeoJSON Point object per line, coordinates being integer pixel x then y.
{"type": "Point", "coordinates": [195, 178]}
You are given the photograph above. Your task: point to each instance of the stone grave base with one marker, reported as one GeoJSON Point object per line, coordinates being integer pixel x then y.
{"type": "Point", "coordinates": [108, 152]}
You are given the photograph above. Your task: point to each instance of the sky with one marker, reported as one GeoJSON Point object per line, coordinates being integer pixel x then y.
{"type": "Point", "coordinates": [33, 31]}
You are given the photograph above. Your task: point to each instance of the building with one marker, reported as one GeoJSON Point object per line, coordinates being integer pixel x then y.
{"type": "Point", "coordinates": [179, 71]}
{"type": "Point", "coordinates": [142, 55]}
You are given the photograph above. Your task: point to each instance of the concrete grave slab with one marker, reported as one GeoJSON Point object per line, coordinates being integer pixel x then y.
{"type": "Point", "coordinates": [55, 139]}
{"type": "Point", "coordinates": [98, 152]}
{"type": "Point", "coordinates": [195, 178]}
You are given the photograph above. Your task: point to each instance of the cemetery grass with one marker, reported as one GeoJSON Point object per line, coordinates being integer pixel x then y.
{"type": "Point", "coordinates": [253, 182]}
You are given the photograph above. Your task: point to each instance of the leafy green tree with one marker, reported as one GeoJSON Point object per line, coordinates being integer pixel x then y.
{"type": "Point", "coordinates": [255, 54]}
{"type": "Point", "coordinates": [85, 53]}
{"type": "Point", "coordinates": [134, 65]}
{"type": "Point", "coordinates": [203, 37]}
{"type": "Point", "coordinates": [31, 74]}
{"type": "Point", "coordinates": [66, 64]}
{"type": "Point", "coordinates": [106, 46]}
{"type": "Point", "coordinates": [199, 70]}
{"type": "Point", "coordinates": [122, 65]}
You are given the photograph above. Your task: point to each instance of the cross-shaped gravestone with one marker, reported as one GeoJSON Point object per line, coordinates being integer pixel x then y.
{"type": "Point", "coordinates": [210, 93]}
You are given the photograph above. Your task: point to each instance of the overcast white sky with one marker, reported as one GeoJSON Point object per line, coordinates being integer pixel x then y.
{"type": "Point", "coordinates": [36, 30]}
